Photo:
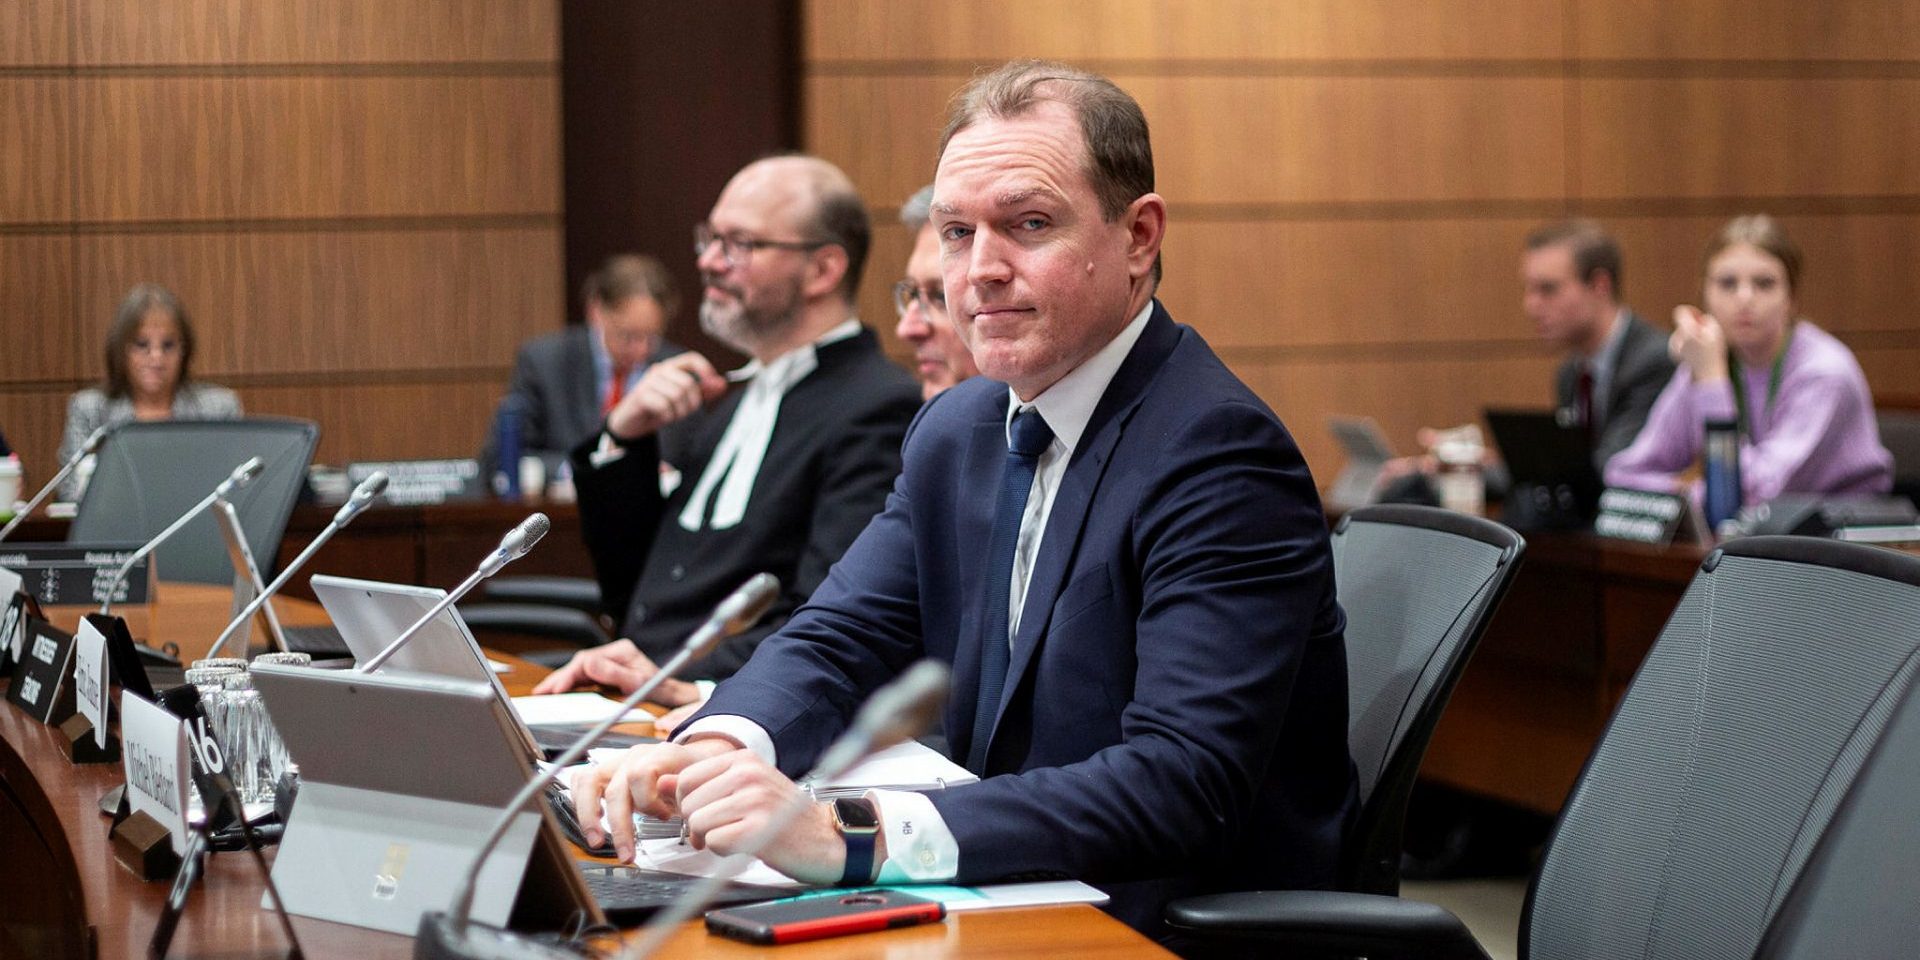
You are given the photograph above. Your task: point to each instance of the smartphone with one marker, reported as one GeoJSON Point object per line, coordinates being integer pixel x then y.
{"type": "Point", "coordinates": [830, 915]}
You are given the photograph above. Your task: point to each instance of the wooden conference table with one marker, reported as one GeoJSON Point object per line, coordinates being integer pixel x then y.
{"type": "Point", "coordinates": [58, 874]}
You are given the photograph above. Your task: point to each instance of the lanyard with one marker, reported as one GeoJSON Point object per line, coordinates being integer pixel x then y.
{"type": "Point", "coordinates": [1740, 386]}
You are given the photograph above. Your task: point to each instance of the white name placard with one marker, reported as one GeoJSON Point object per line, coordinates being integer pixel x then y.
{"type": "Point", "coordinates": [155, 756]}
{"type": "Point", "coordinates": [90, 678]}
{"type": "Point", "coordinates": [9, 585]}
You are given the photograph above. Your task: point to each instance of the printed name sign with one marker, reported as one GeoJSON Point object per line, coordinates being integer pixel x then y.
{"type": "Point", "coordinates": [77, 574]}
{"type": "Point", "coordinates": [39, 686]}
{"type": "Point", "coordinates": [1641, 516]}
{"type": "Point", "coordinates": [155, 758]}
{"type": "Point", "coordinates": [90, 678]}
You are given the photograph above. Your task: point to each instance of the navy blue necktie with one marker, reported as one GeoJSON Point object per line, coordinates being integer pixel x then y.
{"type": "Point", "coordinates": [1030, 436]}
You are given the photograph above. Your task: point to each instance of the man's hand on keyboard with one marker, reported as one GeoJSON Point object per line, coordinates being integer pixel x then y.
{"type": "Point", "coordinates": [645, 779]}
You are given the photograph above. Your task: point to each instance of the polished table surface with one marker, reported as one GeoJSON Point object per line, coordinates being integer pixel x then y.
{"type": "Point", "coordinates": [224, 918]}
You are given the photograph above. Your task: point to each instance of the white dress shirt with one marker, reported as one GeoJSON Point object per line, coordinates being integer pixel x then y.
{"type": "Point", "coordinates": [920, 847]}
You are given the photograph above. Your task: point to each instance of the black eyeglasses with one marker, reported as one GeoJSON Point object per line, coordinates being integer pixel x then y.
{"type": "Point", "coordinates": [736, 249]}
{"type": "Point", "coordinates": [933, 299]}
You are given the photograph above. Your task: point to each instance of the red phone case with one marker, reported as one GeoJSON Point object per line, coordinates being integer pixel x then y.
{"type": "Point", "coordinates": [811, 918]}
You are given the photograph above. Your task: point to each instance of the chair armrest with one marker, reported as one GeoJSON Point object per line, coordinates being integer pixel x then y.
{"type": "Point", "coordinates": [532, 619]}
{"type": "Point", "coordinates": [580, 593]}
{"type": "Point", "coordinates": [1351, 923]}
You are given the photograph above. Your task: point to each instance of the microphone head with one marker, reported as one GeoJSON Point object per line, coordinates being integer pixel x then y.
{"type": "Point", "coordinates": [241, 476]}
{"type": "Point", "coordinates": [741, 609]}
{"type": "Point", "coordinates": [363, 496]}
{"type": "Point", "coordinates": [749, 603]}
{"type": "Point", "coordinates": [91, 445]}
{"type": "Point", "coordinates": [905, 708]}
{"type": "Point", "coordinates": [521, 539]}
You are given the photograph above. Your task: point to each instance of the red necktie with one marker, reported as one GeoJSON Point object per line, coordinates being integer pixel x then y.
{"type": "Point", "coordinates": [1585, 401]}
{"type": "Point", "coordinates": [617, 389]}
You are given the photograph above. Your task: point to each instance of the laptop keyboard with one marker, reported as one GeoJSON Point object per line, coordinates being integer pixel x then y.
{"type": "Point", "coordinates": [629, 895]}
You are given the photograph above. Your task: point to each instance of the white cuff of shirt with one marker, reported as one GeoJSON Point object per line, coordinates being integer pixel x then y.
{"type": "Point", "coordinates": [736, 728]}
{"type": "Point", "coordinates": [920, 848]}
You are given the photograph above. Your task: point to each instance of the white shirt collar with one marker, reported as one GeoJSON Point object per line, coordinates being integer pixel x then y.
{"type": "Point", "coordinates": [1069, 403]}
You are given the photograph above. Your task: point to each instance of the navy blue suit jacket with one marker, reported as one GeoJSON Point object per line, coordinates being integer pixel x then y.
{"type": "Point", "coordinates": [1175, 716]}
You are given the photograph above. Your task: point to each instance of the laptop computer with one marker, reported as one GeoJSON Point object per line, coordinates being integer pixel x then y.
{"type": "Point", "coordinates": [1555, 484]}
{"type": "Point", "coordinates": [1367, 452]}
{"type": "Point", "coordinates": [369, 614]}
{"type": "Point", "coordinates": [401, 777]}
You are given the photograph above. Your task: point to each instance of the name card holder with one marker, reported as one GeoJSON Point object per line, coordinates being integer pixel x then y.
{"type": "Point", "coordinates": [1642, 516]}
{"type": "Point", "coordinates": [89, 739]}
{"type": "Point", "coordinates": [149, 838]}
{"type": "Point", "coordinates": [20, 606]}
{"type": "Point", "coordinates": [40, 686]}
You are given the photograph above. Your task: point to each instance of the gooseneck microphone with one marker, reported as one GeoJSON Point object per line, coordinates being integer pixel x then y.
{"type": "Point", "coordinates": [363, 496]}
{"type": "Point", "coordinates": [88, 448]}
{"type": "Point", "coordinates": [240, 477]}
{"type": "Point", "coordinates": [512, 547]}
{"type": "Point", "coordinates": [896, 712]}
{"type": "Point", "coordinates": [740, 610]}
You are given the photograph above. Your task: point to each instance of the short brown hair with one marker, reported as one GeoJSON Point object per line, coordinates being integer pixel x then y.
{"type": "Point", "coordinates": [1119, 147]}
{"type": "Point", "coordinates": [631, 275]}
{"type": "Point", "coordinates": [141, 300]}
{"type": "Point", "coordinates": [1593, 249]}
{"type": "Point", "coordinates": [1761, 231]}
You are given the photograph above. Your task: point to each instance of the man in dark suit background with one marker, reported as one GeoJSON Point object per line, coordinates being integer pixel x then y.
{"type": "Point", "coordinates": [692, 487]}
{"type": "Point", "coordinates": [565, 382]}
{"type": "Point", "coordinates": [1113, 542]}
{"type": "Point", "coordinates": [1616, 363]}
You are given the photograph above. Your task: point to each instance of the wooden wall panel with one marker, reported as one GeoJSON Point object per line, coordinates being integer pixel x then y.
{"type": "Point", "coordinates": [1401, 394]}
{"type": "Point", "coordinates": [1202, 30]}
{"type": "Point", "coordinates": [1857, 30]}
{"type": "Point", "coordinates": [406, 421]}
{"type": "Point", "coordinates": [33, 419]}
{"type": "Point", "coordinates": [1379, 283]}
{"type": "Point", "coordinates": [35, 183]}
{"type": "Point", "coordinates": [36, 310]}
{"type": "Point", "coordinates": [287, 302]}
{"type": "Point", "coordinates": [173, 148]}
{"type": "Point", "coordinates": [1750, 137]}
{"type": "Point", "coordinates": [337, 31]}
{"type": "Point", "coordinates": [33, 33]}
{"type": "Point", "coordinates": [886, 265]}
{"type": "Point", "coordinates": [1292, 140]}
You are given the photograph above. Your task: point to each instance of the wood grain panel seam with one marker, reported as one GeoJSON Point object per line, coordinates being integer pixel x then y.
{"type": "Point", "coordinates": [1425, 350]}
{"type": "Point", "coordinates": [477, 221]}
{"type": "Point", "coordinates": [473, 68]}
{"type": "Point", "coordinates": [1542, 68]}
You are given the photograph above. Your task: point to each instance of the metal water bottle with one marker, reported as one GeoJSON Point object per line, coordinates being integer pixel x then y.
{"type": "Point", "coordinates": [1722, 472]}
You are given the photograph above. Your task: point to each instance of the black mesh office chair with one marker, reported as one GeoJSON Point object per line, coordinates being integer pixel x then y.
{"type": "Point", "coordinates": [1717, 778]}
{"type": "Point", "coordinates": [1419, 586]}
{"type": "Point", "coordinates": [148, 474]}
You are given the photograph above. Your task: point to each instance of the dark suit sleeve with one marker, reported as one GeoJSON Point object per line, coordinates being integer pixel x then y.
{"type": "Point", "coordinates": [1642, 377]}
{"type": "Point", "coordinates": [856, 474]}
{"type": "Point", "coordinates": [620, 507]}
{"type": "Point", "coordinates": [1235, 603]}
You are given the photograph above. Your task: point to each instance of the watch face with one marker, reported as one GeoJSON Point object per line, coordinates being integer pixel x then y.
{"type": "Point", "coordinates": [855, 814]}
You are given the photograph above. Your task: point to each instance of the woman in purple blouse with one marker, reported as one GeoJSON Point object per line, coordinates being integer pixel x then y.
{"type": "Point", "coordinates": [1805, 414]}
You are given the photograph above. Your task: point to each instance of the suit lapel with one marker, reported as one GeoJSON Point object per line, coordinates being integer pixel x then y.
{"type": "Point", "coordinates": [1067, 520]}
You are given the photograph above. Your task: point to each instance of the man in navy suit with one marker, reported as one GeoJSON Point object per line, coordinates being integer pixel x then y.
{"type": "Point", "coordinates": [1112, 541]}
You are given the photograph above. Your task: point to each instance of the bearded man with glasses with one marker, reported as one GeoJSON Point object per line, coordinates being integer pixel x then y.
{"type": "Point", "coordinates": [699, 479]}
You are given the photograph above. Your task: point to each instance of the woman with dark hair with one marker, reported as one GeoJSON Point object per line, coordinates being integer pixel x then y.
{"type": "Point", "coordinates": [1799, 397]}
{"type": "Point", "coordinates": [149, 355]}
